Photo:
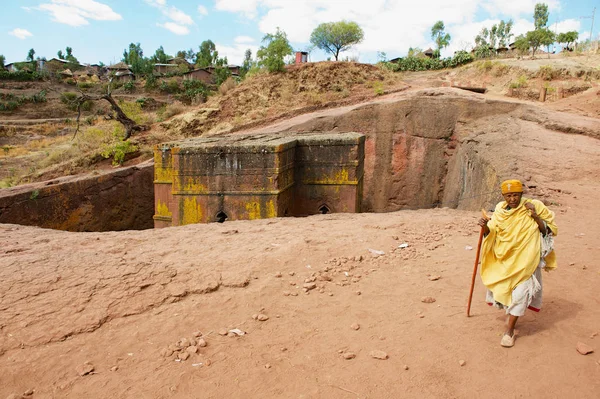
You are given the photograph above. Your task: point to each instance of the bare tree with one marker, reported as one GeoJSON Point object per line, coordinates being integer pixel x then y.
{"type": "Point", "coordinates": [129, 124]}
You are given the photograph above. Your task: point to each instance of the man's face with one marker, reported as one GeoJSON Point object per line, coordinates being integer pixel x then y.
{"type": "Point", "coordinates": [513, 199]}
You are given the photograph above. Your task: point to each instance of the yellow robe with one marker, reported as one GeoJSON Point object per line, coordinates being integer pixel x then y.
{"type": "Point", "coordinates": [511, 252]}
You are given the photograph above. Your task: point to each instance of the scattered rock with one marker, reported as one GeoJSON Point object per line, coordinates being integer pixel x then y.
{"type": "Point", "coordinates": [348, 355]}
{"type": "Point", "coordinates": [85, 369]}
{"type": "Point", "coordinates": [330, 294]}
{"type": "Point", "coordinates": [114, 368]}
{"type": "Point", "coordinates": [434, 278]}
{"type": "Point", "coordinates": [428, 299]}
{"type": "Point", "coordinates": [405, 367]}
{"type": "Point", "coordinates": [255, 316]}
{"type": "Point", "coordinates": [193, 342]}
{"type": "Point", "coordinates": [292, 273]}
{"type": "Point", "coordinates": [584, 349]}
{"type": "Point", "coordinates": [183, 343]}
{"type": "Point", "coordinates": [379, 355]}
{"type": "Point", "coordinates": [223, 331]}
{"type": "Point", "coordinates": [284, 349]}
{"type": "Point", "coordinates": [230, 334]}
{"type": "Point", "coordinates": [355, 326]}
{"type": "Point", "coordinates": [28, 392]}
{"type": "Point", "coordinates": [197, 334]}
{"type": "Point", "coordinates": [358, 293]}
{"type": "Point", "coordinates": [191, 349]}
{"type": "Point", "coordinates": [202, 343]}
{"type": "Point", "coordinates": [183, 356]}
{"type": "Point", "coordinates": [286, 293]}
{"type": "Point", "coordinates": [236, 331]}
{"type": "Point", "coordinates": [166, 352]}
{"type": "Point", "coordinates": [294, 294]}
{"type": "Point", "coordinates": [309, 286]}
{"type": "Point", "coordinates": [468, 248]}
{"type": "Point", "coordinates": [267, 366]}
{"type": "Point", "coordinates": [593, 335]}
{"type": "Point", "coordinates": [462, 363]}
{"type": "Point", "coordinates": [278, 275]}
{"type": "Point", "coordinates": [262, 317]}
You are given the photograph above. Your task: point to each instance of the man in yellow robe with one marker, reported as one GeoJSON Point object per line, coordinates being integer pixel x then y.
{"type": "Point", "coordinates": [518, 244]}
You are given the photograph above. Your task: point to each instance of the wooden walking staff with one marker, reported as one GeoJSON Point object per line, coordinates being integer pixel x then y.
{"type": "Point", "coordinates": [485, 216]}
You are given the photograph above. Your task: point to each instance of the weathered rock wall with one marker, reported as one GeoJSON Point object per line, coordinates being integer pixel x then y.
{"type": "Point", "coordinates": [411, 147]}
{"type": "Point", "coordinates": [114, 200]}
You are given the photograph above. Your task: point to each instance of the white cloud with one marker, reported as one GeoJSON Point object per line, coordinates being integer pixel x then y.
{"type": "Point", "coordinates": [20, 33]}
{"type": "Point", "coordinates": [175, 28]}
{"type": "Point", "coordinates": [179, 20]}
{"type": "Point", "coordinates": [567, 25]}
{"type": "Point", "coordinates": [202, 10]}
{"type": "Point", "coordinates": [79, 12]}
{"type": "Point", "coordinates": [178, 16]}
{"type": "Point", "coordinates": [235, 54]}
{"type": "Point", "coordinates": [517, 8]}
{"type": "Point", "coordinates": [247, 7]}
{"type": "Point", "coordinates": [244, 39]}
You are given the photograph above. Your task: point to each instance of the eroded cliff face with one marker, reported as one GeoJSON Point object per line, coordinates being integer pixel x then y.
{"type": "Point", "coordinates": [414, 155]}
{"type": "Point", "coordinates": [112, 201]}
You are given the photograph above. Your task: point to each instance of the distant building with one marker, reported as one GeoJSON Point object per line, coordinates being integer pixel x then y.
{"type": "Point", "coordinates": [202, 75]}
{"type": "Point", "coordinates": [429, 52]}
{"type": "Point", "coordinates": [234, 69]}
{"type": "Point", "coordinates": [301, 57]}
{"type": "Point", "coordinates": [165, 68]}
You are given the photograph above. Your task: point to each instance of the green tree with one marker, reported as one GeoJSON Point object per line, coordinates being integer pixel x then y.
{"type": "Point", "coordinates": [441, 38]}
{"type": "Point", "coordinates": [208, 54]}
{"type": "Point", "coordinates": [522, 44]}
{"type": "Point", "coordinates": [135, 57]}
{"type": "Point", "coordinates": [160, 57]}
{"type": "Point", "coordinates": [335, 37]}
{"type": "Point", "coordinates": [271, 55]}
{"type": "Point", "coordinates": [538, 38]}
{"type": "Point", "coordinates": [541, 36]}
{"type": "Point", "coordinates": [504, 32]}
{"type": "Point", "coordinates": [247, 64]}
{"type": "Point", "coordinates": [70, 57]}
{"type": "Point", "coordinates": [2, 61]}
{"type": "Point", "coordinates": [60, 55]}
{"type": "Point", "coordinates": [540, 16]}
{"type": "Point", "coordinates": [30, 55]}
{"type": "Point", "coordinates": [568, 38]}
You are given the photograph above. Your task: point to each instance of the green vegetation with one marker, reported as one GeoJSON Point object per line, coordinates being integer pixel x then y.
{"type": "Point", "coordinates": [441, 38]}
{"type": "Point", "coordinates": [271, 57]}
{"type": "Point", "coordinates": [10, 102]}
{"type": "Point", "coordinates": [519, 83]}
{"type": "Point", "coordinates": [422, 63]}
{"type": "Point", "coordinates": [335, 37]}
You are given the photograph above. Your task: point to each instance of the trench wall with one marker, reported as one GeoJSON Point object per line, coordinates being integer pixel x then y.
{"type": "Point", "coordinates": [111, 201]}
{"type": "Point", "coordinates": [415, 157]}
{"type": "Point", "coordinates": [413, 151]}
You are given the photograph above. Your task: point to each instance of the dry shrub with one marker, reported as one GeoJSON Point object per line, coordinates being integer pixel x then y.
{"type": "Point", "coordinates": [227, 86]}
{"type": "Point", "coordinates": [169, 111]}
{"type": "Point", "coordinates": [500, 69]}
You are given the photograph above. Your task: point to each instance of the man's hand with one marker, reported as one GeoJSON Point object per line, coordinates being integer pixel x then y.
{"type": "Point", "coordinates": [531, 209]}
{"type": "Point", "coordinates": [483, 223]}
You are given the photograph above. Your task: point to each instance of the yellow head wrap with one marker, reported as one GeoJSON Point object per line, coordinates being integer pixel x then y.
{"type": "Point", "coordinates": [511, 186]}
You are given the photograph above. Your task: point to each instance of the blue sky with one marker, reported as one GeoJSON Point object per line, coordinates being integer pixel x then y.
{"type": "Point", "coordinates": [99, 30]}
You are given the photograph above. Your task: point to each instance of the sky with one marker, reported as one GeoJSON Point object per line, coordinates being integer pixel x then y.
{"type": "Point", "coordinates": [99, 30]}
